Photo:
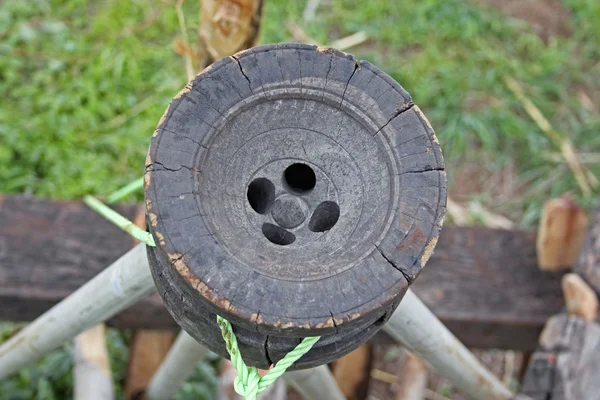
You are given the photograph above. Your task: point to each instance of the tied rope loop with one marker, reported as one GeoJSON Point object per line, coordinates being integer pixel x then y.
{"type": "Point", "coordinates": [248, 382]}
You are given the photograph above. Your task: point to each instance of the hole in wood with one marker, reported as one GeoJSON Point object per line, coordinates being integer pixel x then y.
{"type": "Point", "coordinates": [261, 195]}
{"type": "Point", "coordinates": [277, 235]}
{"type": "Point", "coordinates": [325, 217]}
{"type": "Point", "coordinates": [299, 178]}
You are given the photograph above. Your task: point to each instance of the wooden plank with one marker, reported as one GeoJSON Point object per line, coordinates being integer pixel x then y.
{"type": "Point", "coordinates": [484, 284]}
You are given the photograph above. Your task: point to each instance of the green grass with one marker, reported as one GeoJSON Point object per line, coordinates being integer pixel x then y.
{"type": "Point", "coordinates": [84, 83]}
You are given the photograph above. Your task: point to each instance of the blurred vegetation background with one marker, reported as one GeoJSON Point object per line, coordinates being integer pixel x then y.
{"type": "Point", "coordinates": [83, 84]}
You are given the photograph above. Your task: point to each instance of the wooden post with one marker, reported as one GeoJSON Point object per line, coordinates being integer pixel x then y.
{"type": "Point", "coordinates": [352, 372]}
{"type": "Point", "coordinates": [176, 368]}
{"type": "Point", "coordinates": [315, 383]}
{"type": "Point", "coordinates": [114, 289]}
{"type": "Point", "coordinates": [414, 325]}
{"type": "Point", "coordinates": [91, 370]}
{"type": "Point", "coordinates": [561, 233]}
{"type": "Point", "coordinates": [226, 27]}
{"type": "Point", "coordinates": [286, 222]}
{"type": "Point", "coordinates": [580, 299]}
{"type": "Point", "coordinates": [413, 379]}
{"type": "Point", "coordinates": [147, 351]}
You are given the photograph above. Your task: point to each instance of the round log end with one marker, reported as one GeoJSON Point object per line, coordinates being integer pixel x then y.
{"type": "Point", "coordinates": [296, 192]}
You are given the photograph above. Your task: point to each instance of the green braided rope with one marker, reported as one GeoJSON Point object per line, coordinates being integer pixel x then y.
{"type": "Point", "coordinates": [119, 220]}
{"type": "Point", "coordinates": [248, 383]}
{"type": "Point", "coordinates": [125, 190]}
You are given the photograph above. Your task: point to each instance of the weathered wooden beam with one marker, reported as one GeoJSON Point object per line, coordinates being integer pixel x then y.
{"type": "Point", "coordinates": [484, 284]}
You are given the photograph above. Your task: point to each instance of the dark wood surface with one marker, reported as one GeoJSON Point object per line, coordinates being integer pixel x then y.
{"type": "Point", "coordinates": [486, 287]}
{"type": "Point", "coordinates": [251, 151]}
{"type": "Point", "coordinates": [483, 283]}
{"type": "Point", "coordinates": [567, 363]}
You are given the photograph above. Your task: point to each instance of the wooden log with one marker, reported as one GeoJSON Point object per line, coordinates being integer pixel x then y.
{"type": "Point", "coordinates": [561, 233]}
{"type": "Point", "coordinates": [567, 363]}
{"type": "Point", "coordinates": [226, 390]}
{"type": "Point", "coordinates": [580, 299]}
{"type": "Point", "coordinates": [359, 211]}
{"type": "Point", "coordinates": [92, 378]}
{"type": "Point", "coordinates": [468, 282]}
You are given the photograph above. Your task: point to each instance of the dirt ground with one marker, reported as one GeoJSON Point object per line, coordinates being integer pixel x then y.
{"type": "Point", "coordinates": [547, 17]}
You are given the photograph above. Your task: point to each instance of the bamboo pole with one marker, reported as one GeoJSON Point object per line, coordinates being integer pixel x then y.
{"type": "Point", "coordinates": [315, 383]}
{"type": "Point", "coordinates": [417, 328]}
{"type": "Point", "coordinates": [112, 290]}
{"type": "Point", "coordinates": [91, 371]}
{"type": "Point", "coordinates": [176, 368]}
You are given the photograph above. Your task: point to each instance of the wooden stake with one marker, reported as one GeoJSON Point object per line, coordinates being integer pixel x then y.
{"type": "Point", "coordinates": [580, 298]}
{"type": "Point", "coordinates": [91, 371]}
{"type": "Point", "coordinates": [413, 379]}
{"type": "Point", "coordinates": [228, 26]}
{"type": "Point", "coordinates": [352, 372]}
{"type": "Point", "coordinates": [561, 234]}
{"type": "Point", "coordinates": [148, 349]}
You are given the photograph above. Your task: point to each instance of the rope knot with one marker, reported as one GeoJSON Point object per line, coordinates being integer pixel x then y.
{"type": "Point", "coordinates": [246, 385]}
